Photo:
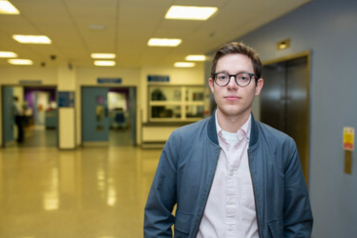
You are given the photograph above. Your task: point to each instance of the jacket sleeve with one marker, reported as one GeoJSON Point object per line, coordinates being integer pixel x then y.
{"type": "Point", "coordinates": [297, 211]}
{"type": "Point", "coordinates": [158, 218]}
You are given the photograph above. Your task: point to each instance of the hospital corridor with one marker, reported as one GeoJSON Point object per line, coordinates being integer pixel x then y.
{"type": "Point", "coordinates": [92, 90]}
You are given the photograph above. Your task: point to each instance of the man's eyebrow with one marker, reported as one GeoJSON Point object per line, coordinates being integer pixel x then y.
{"type": "Point", "coordinates": [239, 72]}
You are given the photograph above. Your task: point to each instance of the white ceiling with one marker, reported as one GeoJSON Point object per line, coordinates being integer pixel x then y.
{"type": "Point", "coordinates": [129, 26]}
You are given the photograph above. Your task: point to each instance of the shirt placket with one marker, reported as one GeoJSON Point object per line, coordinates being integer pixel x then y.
{"type": "Point", "coordinates": [232, 191]}
{"type": "Point", "coordinates": [231, 196]}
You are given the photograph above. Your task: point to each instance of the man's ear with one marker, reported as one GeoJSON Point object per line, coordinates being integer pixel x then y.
{"type": "Point", "coordinates": [211, 84]}
{"type": "Point", "coordinates": [259, 86]}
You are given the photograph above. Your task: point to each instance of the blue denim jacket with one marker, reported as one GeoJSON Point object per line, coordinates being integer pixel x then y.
{"type": "Point", "coordinates": [186, 170]}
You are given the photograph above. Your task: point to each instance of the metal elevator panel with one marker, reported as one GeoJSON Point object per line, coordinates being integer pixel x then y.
{"type": "Point", "coordinates": [285, 102]}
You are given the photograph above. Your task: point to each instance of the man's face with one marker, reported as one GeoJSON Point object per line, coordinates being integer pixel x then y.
{"type": "Point", "coordinates": [233, 100]}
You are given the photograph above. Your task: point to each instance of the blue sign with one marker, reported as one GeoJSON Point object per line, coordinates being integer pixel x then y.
{"type": "Point", "coordinates": [65, 99]}
{"type": "Point", "coordinates": [109, 80]}
{"type": "Point", "coordinates": [158, 78]}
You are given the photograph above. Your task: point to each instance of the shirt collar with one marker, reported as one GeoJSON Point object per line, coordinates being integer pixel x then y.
{"type": "Point", "coordinates": [245, 127]}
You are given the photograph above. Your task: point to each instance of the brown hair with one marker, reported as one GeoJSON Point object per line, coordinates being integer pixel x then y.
{"type": "Point", "coordinates": [238, 48]}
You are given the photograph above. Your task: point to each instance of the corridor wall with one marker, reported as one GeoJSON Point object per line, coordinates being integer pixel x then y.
{"type": "Point", "coordinates": [73, 79]}
{"type": "Point", "coordinates": [328, 29]}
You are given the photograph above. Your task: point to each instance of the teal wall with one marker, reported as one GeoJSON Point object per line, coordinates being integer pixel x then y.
{"type": "Point", "coordinates": [328, 28]}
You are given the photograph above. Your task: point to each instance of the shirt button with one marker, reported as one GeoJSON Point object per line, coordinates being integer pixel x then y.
{"type": "Point", "coordinates": [230, 202]}
{"type": "Point", "coordinates": [230, 228]}
{"type": "Point", "coordinates": [231, 174]}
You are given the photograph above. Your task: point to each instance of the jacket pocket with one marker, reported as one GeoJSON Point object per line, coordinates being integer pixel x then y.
{"type": "Point", "coordinates": [276, 228]}
{"type": "Point", "coordinates": [182, 223]}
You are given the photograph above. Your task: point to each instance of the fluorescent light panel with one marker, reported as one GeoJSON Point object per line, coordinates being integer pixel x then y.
{"type": "Point", "coordinates": [20, 61]}
{"type": "Point", "coordinates": [7, 8]}
{"type": "Point", "coordinates": [195, 58]}
{"type": "Point", "coordinates": [104, 63]}
{"type": "Point", "coordinates": [190, 12]}
{"type": "Point", "coordinates": [103, 56]}
{"type": "Point", "coordinates": [7, 54]}
{"type": "Point", "coordinates": [184, 64]}
{"type": "Point", "coordinates": [164, 42]}
{"type": "Point", "coordinates": [31, 39]}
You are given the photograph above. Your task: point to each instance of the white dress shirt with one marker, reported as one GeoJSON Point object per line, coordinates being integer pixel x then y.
{"type": "Point", "coordinates": [230, 209]}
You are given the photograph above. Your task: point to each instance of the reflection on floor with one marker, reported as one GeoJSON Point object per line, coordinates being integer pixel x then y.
{"type": "Point", "coordinates": [85, 193]}
{"type": "Point", "coordinates": [120, 137]}
{"type": "Point", "coordinates": [39, 136]}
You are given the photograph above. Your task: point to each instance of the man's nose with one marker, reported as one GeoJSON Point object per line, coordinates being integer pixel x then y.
{"type": "Point", "coordinates": [232, 82]}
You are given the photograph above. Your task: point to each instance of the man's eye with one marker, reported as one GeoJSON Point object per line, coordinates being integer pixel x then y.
{"type": "Point", "coordinates": [222, 77]}
{"type": "Point", "coordinates": [244, 77]}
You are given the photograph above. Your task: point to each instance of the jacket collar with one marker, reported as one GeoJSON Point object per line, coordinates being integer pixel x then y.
{"type": "Point", "coordinates": [253, 132]}
{"type": "Point", "coordinates": [212, 131]}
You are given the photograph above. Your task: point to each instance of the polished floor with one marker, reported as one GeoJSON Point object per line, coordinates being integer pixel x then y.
{"type": "Point", "coordinates": [85, 193]}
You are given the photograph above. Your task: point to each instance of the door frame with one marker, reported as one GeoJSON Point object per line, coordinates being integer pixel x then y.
{"type": "Point", "coordinates": [307, 54]}
{"type": "Point", "coordinates": [109, 86]}
{"type": "Point", "coordinates": [3, 132]}
{"type": "Point", "coordinates": [55, 87]}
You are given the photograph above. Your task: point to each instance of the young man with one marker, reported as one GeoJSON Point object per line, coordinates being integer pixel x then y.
{"type": "Point", "coordinates": [229, 175]}
{"type": "Point", "coordinates": [18, 118]}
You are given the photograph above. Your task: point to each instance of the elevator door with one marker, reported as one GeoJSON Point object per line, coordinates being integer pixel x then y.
{"type": "Point", "coordinates": [285, 102]}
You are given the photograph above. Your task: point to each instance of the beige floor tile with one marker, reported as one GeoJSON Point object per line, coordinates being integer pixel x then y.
{"type": "Point", "coordinates": [87, 193]}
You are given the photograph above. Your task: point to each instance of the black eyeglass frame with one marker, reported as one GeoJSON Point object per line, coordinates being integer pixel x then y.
{"type": "Point", "coordinates": [235, 78]}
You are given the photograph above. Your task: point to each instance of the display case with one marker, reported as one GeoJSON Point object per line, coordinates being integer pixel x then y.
{"type": "Point", "coordinates": [175, 103]}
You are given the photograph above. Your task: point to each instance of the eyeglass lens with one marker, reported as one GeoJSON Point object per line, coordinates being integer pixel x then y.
{"type": "Point", "coordinates": [242, 79]}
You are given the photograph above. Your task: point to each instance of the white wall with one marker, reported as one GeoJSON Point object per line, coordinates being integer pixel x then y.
{"type": "Point", "coordinates": [12, 75]}
{"type": "Point", "coordinates": [116, 100]}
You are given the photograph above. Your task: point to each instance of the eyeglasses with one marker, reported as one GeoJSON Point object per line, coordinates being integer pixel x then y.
{"type": "Point", "coordinates": [242, 79]}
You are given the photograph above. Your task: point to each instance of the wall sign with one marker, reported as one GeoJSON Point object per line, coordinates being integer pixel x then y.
{"type": "Point", "coordinates": [348, 138]}
{"type": "Point", "coordinates": [66, 99]}
{"type": "Point", "coordinates": [158, 78]}
{"type": "Point", "coordinates": [109, 80]}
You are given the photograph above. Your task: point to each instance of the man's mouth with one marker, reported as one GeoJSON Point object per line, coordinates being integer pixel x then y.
{"type": "Point", "coordinates": [231, 98]}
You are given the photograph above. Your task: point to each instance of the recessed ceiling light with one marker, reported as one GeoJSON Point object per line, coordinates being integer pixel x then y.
{"type": "Point", "coordinates": [7, 8]}
{"type": "Point", "coordinates": [20, 61]}
{"type": "Point", "coordinates": [7, 54]}
{"type": "Point", "coordinates": [30, 39]}
{"type": "Point", "coordinates": [104, 63]}
{"type": "Point", "coordinates": [103, 56]}
{"type": "Point", "coordinates": [195, 58]}
{"type": "Point", "coordinates": [164, 42]}
{"type": "Point", "coordinates": [190, 12]}
{"type": "Point", "coordinates": [184, 64]}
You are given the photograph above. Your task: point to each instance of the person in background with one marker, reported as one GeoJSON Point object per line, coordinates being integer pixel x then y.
{"type": "Point", "coordinates": [18, 117]}
{"type": "Point", "coordinates": [230, 175]}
